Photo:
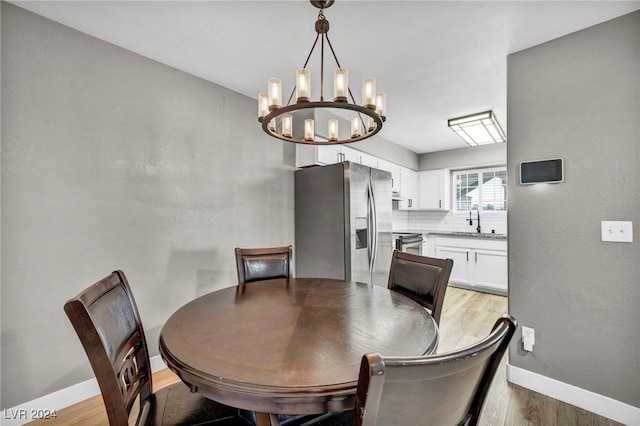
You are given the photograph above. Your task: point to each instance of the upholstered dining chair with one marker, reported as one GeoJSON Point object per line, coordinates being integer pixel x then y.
{"type": "Point", "coordinates": [424, 279]}
{"type": "Point", "coordinates": [442, 390]}
{"type": "Point", "coordinates": [106, 319]}
{"type": "Point", "coordinates": [256, 264]}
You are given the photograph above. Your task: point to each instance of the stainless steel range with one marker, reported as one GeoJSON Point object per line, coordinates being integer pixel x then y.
{"type": "Point", "coordinates": [410, 242]}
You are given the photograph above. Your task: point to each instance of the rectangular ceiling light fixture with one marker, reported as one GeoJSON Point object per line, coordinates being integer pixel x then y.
{"type": "Point", "coordinates": [478, 129]}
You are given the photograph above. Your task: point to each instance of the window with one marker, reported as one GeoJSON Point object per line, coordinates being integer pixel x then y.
{"type": "Point", "coordinates": [484, 189]}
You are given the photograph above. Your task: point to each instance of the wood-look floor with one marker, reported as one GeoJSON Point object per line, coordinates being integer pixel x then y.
{"type": "Point", "coordinates": [467, 316]}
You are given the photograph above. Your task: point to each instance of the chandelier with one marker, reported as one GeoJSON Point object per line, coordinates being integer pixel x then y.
{"type": "Point", "coordinates": [278, 120]}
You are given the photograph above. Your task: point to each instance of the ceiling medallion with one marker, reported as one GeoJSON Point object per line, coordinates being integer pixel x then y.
{"type": "Point", "coordinates": [278, 120]}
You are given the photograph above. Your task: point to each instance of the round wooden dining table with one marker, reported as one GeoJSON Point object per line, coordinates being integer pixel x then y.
{"type": "Point", "coordinates": [290, 345]}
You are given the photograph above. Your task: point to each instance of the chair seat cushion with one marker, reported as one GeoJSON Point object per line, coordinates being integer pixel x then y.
{"type": "Point", "coordinates": [176, 405]}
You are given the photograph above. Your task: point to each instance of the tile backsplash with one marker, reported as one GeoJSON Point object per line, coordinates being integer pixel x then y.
{"type": "Point", "coordinates": [423, 220]}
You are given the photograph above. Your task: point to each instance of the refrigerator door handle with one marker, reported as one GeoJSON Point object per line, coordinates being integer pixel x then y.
{"type": "Point", "coordinates": [373, 227]}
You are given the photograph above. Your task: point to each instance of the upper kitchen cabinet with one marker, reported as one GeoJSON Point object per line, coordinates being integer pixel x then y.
{"type": "Point", "coordinates": [408, 190]}
{"type": "Point", "coordinates": [369, 160]}
{"type": "Point", "coordinates": [320, 155]}
{"type": "Point", "coordinates": [395, 173]}
{"type": "Point", "coordinates": [434, 187]}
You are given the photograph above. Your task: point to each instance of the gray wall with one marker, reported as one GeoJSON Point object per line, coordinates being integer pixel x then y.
{"type": "Point", "coordinates": [384, 148]}
{"type": "Point", "coordinates": [475, 156]}
{"type": "Point", "coordinates": [111, 160]}
{"type": "Point", "coordinates": [578, 98]}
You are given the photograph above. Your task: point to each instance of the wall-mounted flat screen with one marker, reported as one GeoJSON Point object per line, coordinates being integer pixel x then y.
{"type": "Point", "coordinates": [541, 171]}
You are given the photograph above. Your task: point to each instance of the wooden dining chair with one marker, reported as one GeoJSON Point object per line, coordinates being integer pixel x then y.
{"type": "Point", "coordinates": [442, 390]}
{"type": "Point", "coordinates": [424, 279]}
{"type": "Point", "coordinates": [106, 319]}
{"type": "Point", "coordinates": [256, 264]}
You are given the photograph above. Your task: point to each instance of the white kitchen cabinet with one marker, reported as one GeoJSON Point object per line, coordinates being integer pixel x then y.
{"type": "Point", "coordinates": [312, 155]}
{"type": "Point", "coordinates": [478, 263]}
{"type": "Point", "coordinates": [328, 154]}
{"type": "Point", "coordinates": [369, 160]}
{"type": "Point", "coordinates": [395, 173]}
{"type": "Point", "coordinates": [491, 269]}
{"type": "Point", "coordinates": [408, 189]}
{"type": "Point", "coordinates": [434, 189]}
{"type": "Point", "coordinates": [462, 273]}
{"type": "Point", "coordinates": [350, 154]}
{"type": "Point", "coordinates": [320, 155]}
{"type": "Point", "coordinates": [428, 245]}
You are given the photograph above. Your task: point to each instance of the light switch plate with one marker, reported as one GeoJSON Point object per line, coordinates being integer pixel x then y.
{"type": "Point", "coordinates": [528, 338]}
{"type": "Point", "coordinates": [617, 231]}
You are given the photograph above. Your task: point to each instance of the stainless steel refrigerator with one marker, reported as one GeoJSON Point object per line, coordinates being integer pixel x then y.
{"type": "Point", "coordinates": [343, 223]}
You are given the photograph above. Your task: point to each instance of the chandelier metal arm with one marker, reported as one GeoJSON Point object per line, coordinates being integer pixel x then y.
{"type": "Point", "coordinates": [304, 66]}
{"type": "Point", "coordinates": [311, 51]}
{"type": "Point", "coordinates": [333, 52]}
{"type": "Point", "coordinates": [335, 57]}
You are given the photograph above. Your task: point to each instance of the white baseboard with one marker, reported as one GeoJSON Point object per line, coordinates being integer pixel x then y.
{"type": "Point", "coordinates": [48, 405]}
{"type": "Point", "coordinates": [587, 400]}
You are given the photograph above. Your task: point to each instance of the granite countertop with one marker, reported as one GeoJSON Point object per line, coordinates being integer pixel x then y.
{"type": "Point", "coordinates": [485, 235]}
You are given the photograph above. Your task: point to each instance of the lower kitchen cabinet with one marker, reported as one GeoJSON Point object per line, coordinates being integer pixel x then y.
{"type": "Point", "coordinates": [479, 264]}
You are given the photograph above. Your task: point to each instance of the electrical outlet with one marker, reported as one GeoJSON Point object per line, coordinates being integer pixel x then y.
{"type": "Point", "coordinates": [617, 231]}
{"type": "Point", "coordinates": [528, 338]}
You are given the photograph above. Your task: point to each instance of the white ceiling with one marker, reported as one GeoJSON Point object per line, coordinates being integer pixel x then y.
{"type": "Point", "coordinates": [435, 59]}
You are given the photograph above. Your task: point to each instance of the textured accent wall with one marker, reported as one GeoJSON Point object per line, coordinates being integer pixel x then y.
{"type": "Point", "coordinates": [113, 161]}
{"type": "Point", "coordinates": [578, 98]}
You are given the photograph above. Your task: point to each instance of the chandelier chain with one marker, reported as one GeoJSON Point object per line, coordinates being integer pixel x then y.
{"type": "Point", "coordinates": [322, 68]}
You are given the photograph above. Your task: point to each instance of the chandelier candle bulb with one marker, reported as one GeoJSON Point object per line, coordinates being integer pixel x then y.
{"type": "Point", "coordinates": [369, 93]}
{"type": "Point", "coordinates": [303, 85]}
{"type": "Point", "coordinates": [340, 85]}
{"type": "Point", "coordinates": [263, 105]}
{"type": "Point", "coordinates": [308, 129]}
{"type": "Point", "coordinates": [371, 126]}
{"type": "Point", "coordinates": [333, 130]}
{"type": "Point", "coordinates": [275, 93]}
{"type": "Point", "coordinates": [355, 126]}
{"type": "Point", "coordinates": [381, 104]}
{"type": "Point", "coordinates": [287, 125]}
